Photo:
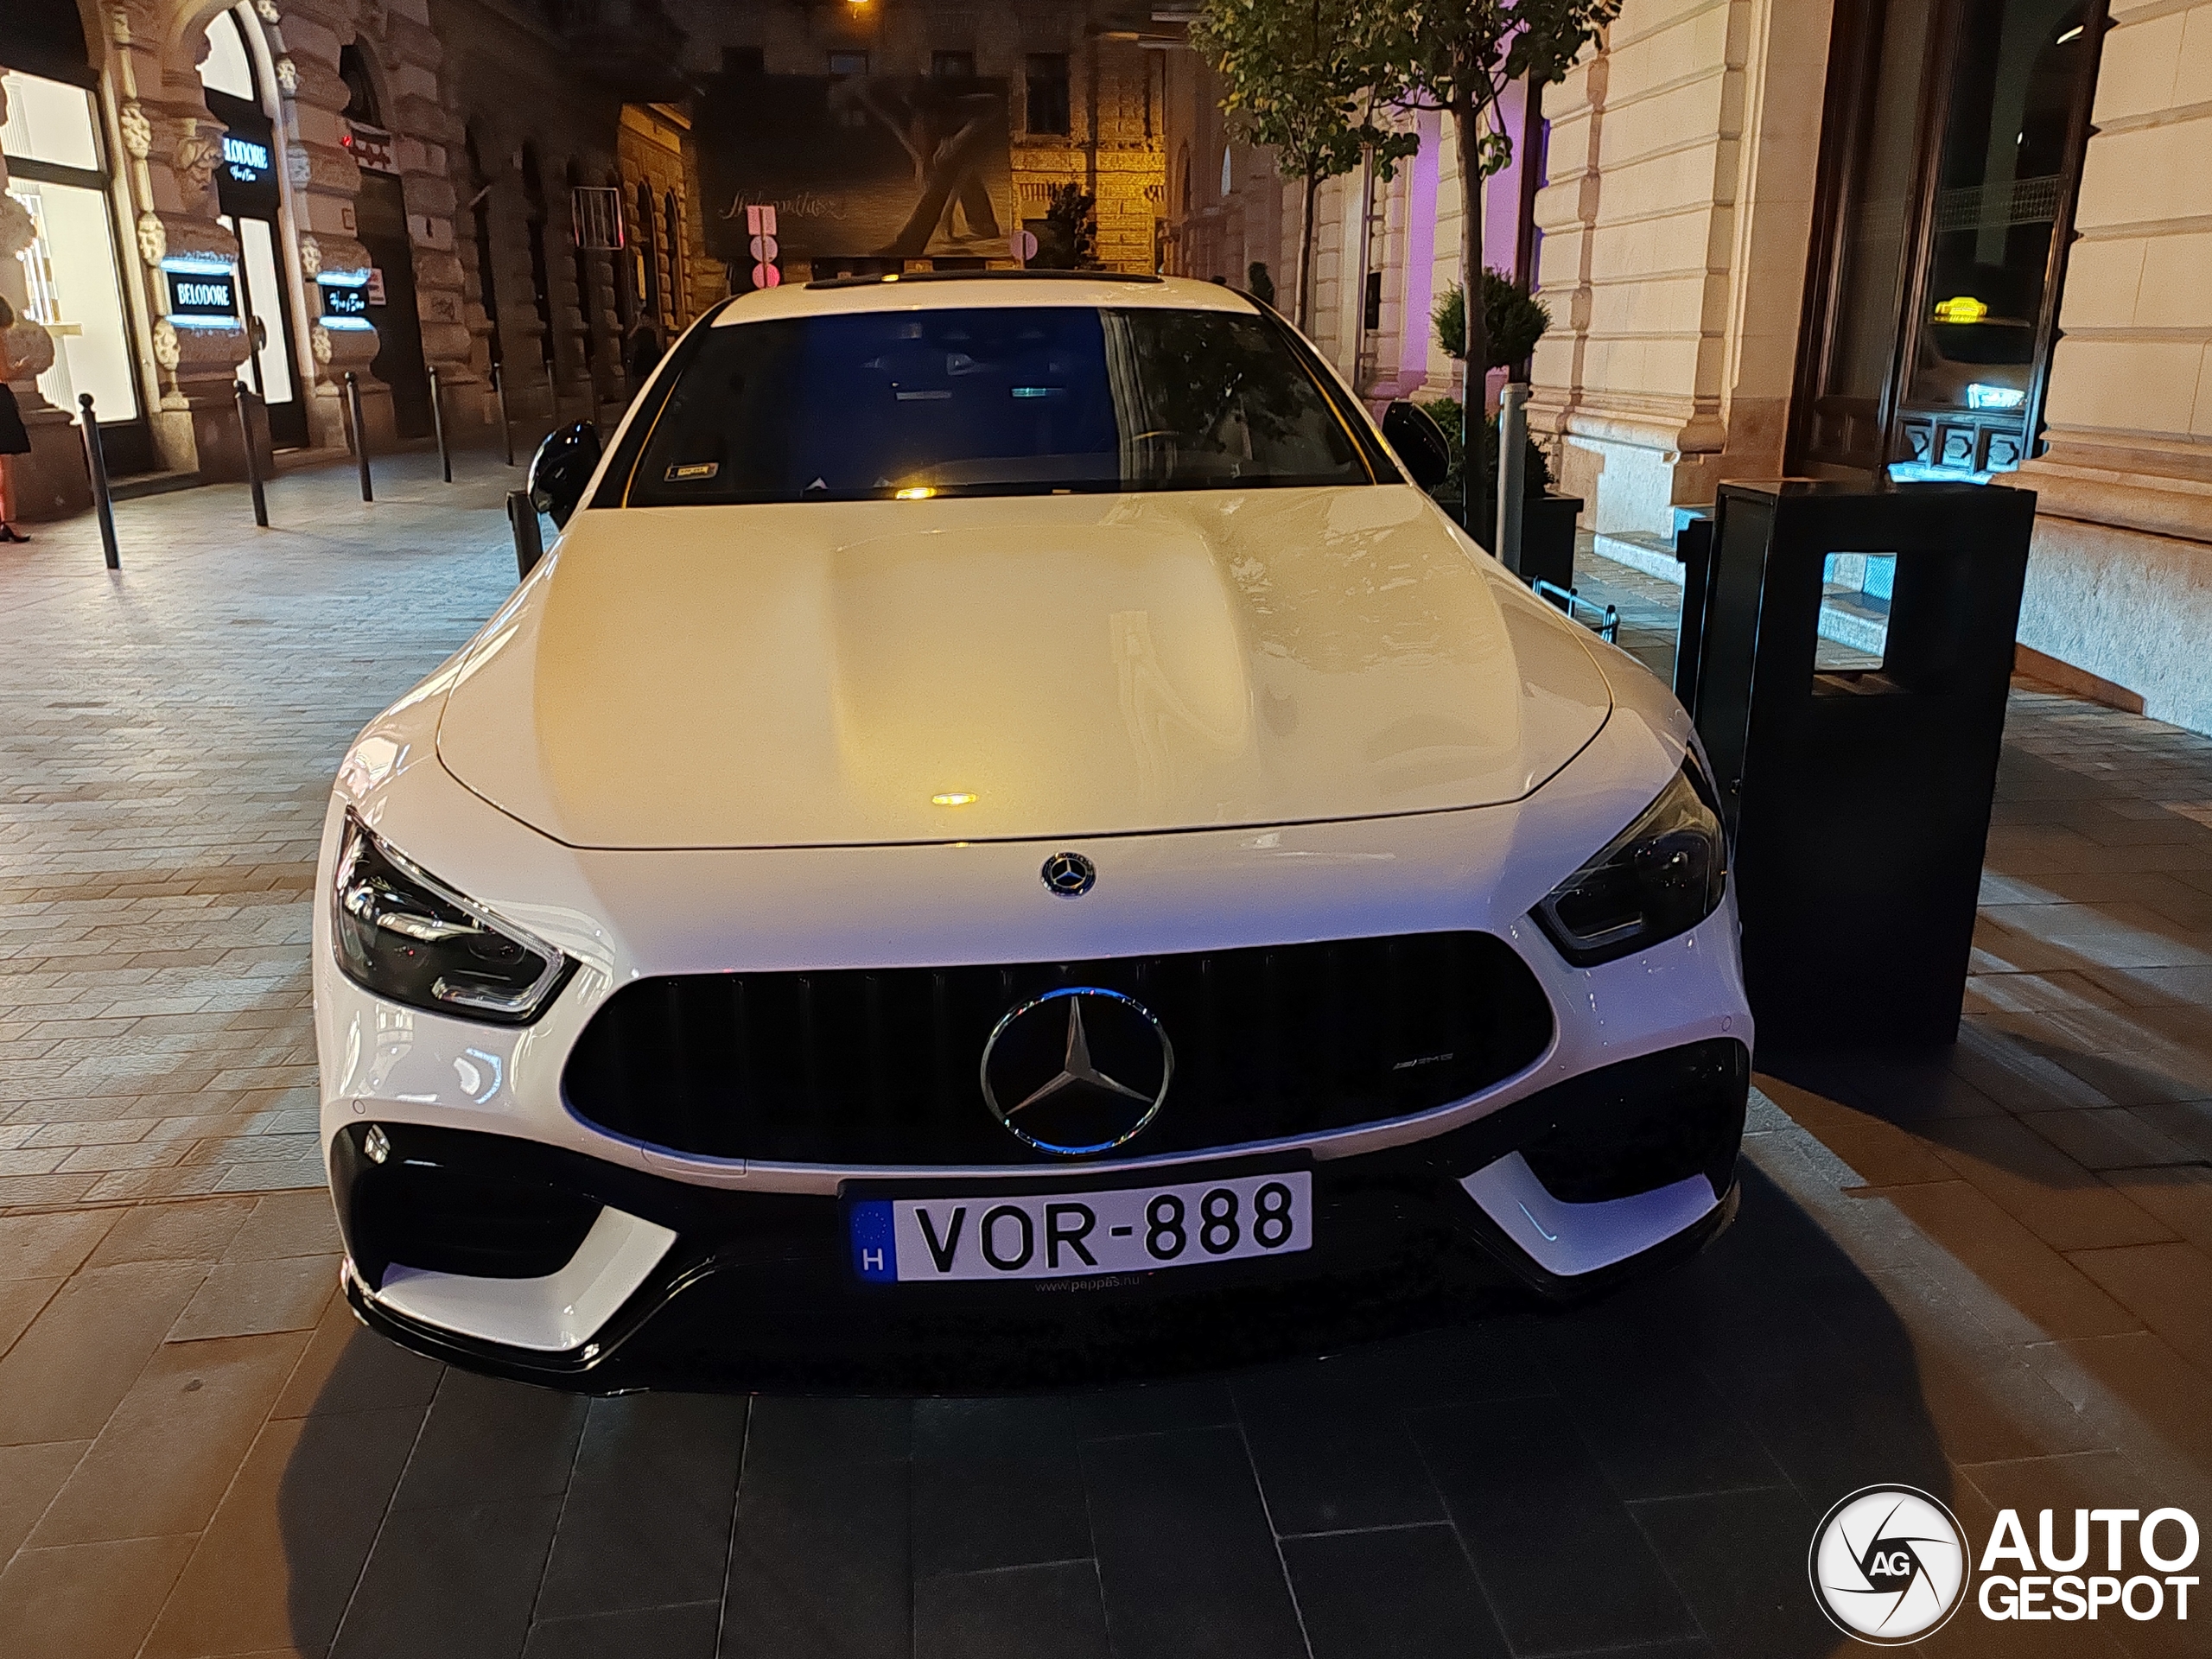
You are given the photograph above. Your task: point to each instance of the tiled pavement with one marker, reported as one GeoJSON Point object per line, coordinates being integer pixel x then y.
{"type": "Point", "coordinates": [168, 736]}
{"type": "Point", "coordinates": [1984, 1273]}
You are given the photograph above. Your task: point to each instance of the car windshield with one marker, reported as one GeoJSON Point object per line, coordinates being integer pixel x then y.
{"type": "Point", "coordinates": [992, 400]}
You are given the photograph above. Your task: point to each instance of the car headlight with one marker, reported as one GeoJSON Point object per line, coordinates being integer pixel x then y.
{"type": "Point", "coordinates": [407, 936]}
{"type": "Point", "coordinates": [1661, 876]}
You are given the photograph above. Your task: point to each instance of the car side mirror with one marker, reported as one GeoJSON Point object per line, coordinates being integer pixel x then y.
{"type": "Point", "coordinates": [561, 469]}
{"type": "Point", "coordinates": [1419, 441]}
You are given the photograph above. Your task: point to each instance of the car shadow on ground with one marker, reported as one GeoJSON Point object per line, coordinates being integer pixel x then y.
{"type": "Point", "coordinates": [1641, 1472]}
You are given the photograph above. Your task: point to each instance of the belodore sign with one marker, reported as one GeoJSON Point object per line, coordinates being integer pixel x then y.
{"type": "Point", "coordinates": [201, 294]}
{"type": "Point", "coordinates": [880, 167]}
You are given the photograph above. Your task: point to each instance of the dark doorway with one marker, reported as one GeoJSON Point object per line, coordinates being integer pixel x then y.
{"type": "Point", "coordinates": [380, 217]}
{"type": "Point", "coordinates": [381, 212]}
{"type": "Point", "coordinates": [246, 190]}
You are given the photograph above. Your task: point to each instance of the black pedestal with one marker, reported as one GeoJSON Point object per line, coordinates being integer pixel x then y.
{"type": "Point", "coordinates": [1860, 796]}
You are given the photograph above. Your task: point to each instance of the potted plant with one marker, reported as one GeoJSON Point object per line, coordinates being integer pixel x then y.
{"type": "Point", "coordinates": [1513, 320]}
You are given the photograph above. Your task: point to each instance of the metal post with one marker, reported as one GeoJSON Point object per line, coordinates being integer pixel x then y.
{"type": "Point", "coordinates": [1512, 442]}
{"type": "Point", "coordinates": [360, 432]}
{"type": "Point", "coordinates": [96, 463]}
{"type": "Point", "coordinates": [245, 396]}
{"type": "Point", "coordinates": [529, 539]}
{"type": "Point", "coordinates": [438, 423]}
{"type": "Point", "coordinates": [507, 425]}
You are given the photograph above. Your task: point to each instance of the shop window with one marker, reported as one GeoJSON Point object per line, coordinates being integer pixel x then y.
{"type": "Point", "coordinates": [73, 279]}
{"type": "Point", "coordinates": [1045, 88]}
{"type": "Point", "coordinates": [1953, 140]}
{"type": "Point", "coordinates": [49, 121]}
{"type": "Point", "coordinates": [1990, 260]}
{"type": "Point", "coordinates": [953, 66]}
{"type": "Point", "coordinates": [849, 63]}
{"type": "Point", "coordinates": [229, 66]}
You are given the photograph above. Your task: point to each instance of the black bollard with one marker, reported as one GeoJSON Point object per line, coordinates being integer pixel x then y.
{"type": "Point", "coordinates": [507, 425]}
{"type": "Point", "coordinates": [360, 432]}
{"type": "Point", "coordinates": [529, 539]}
{"type": "Point", "coordinates": [96, 463]}
{"type": "Point", "coordinates": [438, 424]}
{"type": "Point", "coordinates": [245, 396]}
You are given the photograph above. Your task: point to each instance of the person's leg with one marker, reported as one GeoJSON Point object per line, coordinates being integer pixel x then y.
{"type": "Point", "coordinates": [8, 531]}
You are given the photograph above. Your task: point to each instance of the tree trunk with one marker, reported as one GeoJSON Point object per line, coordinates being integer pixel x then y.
{"type": "Point", "coordinates": [1306, 247]}
{"type": "Point", "coordinates": [1465, 116]}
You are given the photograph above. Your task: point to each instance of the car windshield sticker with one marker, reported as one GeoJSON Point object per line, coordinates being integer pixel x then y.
{"type": "Point", "coordinates": [697, 469]}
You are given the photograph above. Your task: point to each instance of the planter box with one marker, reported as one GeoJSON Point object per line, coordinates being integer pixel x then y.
{"type": "Point", "coordinates": [1547, 536]}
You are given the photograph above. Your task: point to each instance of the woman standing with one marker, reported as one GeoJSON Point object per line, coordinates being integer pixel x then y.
{"type": "Point", "coordinates": [14, 440]}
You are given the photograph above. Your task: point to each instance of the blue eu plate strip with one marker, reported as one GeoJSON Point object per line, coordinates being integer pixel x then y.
{"type": "Point", "coordinates": [875, 1250]}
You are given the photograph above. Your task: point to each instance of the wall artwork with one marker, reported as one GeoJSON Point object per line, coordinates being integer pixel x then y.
{"type": "Point", "coordinates": [857, 167]}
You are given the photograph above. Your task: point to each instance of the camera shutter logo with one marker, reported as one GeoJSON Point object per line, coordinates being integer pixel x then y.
{"type": "Point", "coordinates": [1888, 1565]}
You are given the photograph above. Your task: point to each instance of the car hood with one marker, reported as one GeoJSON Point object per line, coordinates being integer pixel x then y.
{"type": "Point", "coordinates": [1057, 667]}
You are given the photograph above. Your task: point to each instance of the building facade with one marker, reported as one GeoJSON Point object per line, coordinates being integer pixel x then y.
{"type": "Point", "coordinates": [1851, 239]}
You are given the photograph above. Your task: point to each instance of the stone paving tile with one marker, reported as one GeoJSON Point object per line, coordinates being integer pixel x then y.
{"type": "Point", "coordinates": [167, 739]}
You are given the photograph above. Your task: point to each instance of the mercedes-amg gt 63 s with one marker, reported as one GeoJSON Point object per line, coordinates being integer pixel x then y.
{"type": "Point", "coordinates": [1007, 823]}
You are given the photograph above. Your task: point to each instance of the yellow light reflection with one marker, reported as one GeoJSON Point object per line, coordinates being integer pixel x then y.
{"type": "Point", "coordinates": [1964, 307]}
{"type": "Point", "coordinates": [955, 797]}
{"type": "Point", "coordinates": [919, 492]}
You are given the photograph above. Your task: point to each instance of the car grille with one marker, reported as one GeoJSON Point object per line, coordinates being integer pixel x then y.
{"type": "Point", "coordinates": [856, 1066]}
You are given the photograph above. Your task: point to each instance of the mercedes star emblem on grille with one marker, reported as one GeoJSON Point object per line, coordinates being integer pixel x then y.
{"type": "Point", "coordinates": [1070, 875]}
{"type": "Point", "coordinates": [1077, 1070]}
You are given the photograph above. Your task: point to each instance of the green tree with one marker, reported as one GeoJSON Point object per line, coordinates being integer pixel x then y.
{"type": "Point", "coordinates": [1295, 75]}
{"type": "Point", "coordinates": [1459, 56]}
{"type": "Point", "coordinates": [1070, 238]}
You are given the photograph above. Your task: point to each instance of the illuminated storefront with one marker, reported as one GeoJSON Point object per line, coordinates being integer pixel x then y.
{"type": "Point", "coordinates": [235, 75]}
{"type": "Point", "coordinates": [71, 273]}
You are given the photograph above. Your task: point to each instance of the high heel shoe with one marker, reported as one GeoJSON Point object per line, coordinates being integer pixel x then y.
{"type": "Point", "coordinates": [10, 533]}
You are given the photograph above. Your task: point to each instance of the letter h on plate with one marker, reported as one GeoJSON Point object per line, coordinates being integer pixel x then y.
{"type": "Point", "coordinates": [875, 1249]}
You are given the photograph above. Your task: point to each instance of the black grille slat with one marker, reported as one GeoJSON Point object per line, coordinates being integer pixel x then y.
{"type": "Point", "coordinates": [876, 1066]}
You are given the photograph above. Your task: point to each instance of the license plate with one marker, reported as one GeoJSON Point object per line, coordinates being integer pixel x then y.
{"type": "Point", "coordinates": [1066, 1235]}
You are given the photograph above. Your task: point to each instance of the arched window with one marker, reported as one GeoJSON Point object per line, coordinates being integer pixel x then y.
{"type": "Point", "coordinates": [625, 295]}
{"type": "Point", "coordinates": [673, 228]}
{"type": "Point", "coordinates": [229, 67]}
{"type": "Point", "coordinates": [487, 288]}
{"type": "Point", "coordinates": [586, 292]}
{"type": "Point", "coordinates": [648, 257]}
{"type": "Point", "coordinates": [541, 282]}
{"type": "Point", "coordinates": [360, 91]}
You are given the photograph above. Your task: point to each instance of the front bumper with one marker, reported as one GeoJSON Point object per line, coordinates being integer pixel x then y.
{"type": "Point", "coordinates": [1558, 1195]}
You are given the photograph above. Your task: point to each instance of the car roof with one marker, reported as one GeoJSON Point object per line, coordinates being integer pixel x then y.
{"type": "Point", "coordinates": [949, 290]}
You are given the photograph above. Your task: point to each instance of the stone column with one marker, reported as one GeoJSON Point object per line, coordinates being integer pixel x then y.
{"type": "Point", "coordinates": [172, 145]}
{"type": "Point", "coordinates": [324, 181]}
{"type": "Point", "coordinates": [427, 147]}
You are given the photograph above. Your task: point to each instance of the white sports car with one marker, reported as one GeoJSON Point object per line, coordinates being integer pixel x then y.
{"type": "Point", "coordinates": [1007, 819]}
